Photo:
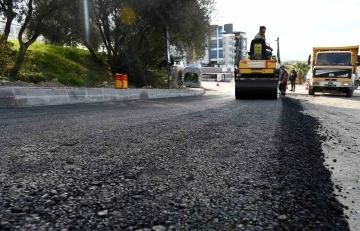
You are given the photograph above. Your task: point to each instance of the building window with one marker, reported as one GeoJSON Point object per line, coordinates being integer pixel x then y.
{"type": "Point", "coordinates": [221, 54]}
{"type": "Point", "coordinates": [220, 43]}
{"type": "Point", "coordinates": [214, 33]}
{"type": "Point", "coordinates": [213, 54]}
{"type": "Point", "coordinates": [213, 44]}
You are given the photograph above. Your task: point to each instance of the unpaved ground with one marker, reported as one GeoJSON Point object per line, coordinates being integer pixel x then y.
{"type": "Point", "coordinates": [340, 118]}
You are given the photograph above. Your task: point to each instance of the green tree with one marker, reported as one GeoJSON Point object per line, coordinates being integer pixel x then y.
{"type": "Point", "coordinates": [302, 68]}
{"type": "Point", "coordinates": [133, 31]}
{"type": "Point", "coordinates": [67, 27]}
{"type": "Point", "coordinates": [35, 13]}
{"type": "Point", "coordinates": [10, 10]}
{"type": "Point", "coordinates": [5, 54]}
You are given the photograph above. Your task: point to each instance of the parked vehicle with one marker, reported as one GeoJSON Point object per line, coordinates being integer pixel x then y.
{"type": "Point", "coordinates": [333, 69]}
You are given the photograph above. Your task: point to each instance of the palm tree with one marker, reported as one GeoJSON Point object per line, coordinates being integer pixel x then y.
{"type": "Point", "coordinates": [302, 68]}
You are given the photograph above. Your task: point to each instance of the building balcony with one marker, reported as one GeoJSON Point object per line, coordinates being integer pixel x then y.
{"type": "Point", "coordinates": [214, 49]}
{"type": "Point", "coordinates": [215, 59]}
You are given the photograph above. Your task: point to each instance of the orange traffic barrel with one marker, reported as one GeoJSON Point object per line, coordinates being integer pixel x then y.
{"type": "Point", "coordinates": [118, 81]}
{"type": "Point", "coordinates": [124, 81]}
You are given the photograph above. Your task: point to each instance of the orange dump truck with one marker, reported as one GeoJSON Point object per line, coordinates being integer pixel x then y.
{"type": "Point", "coordinates": [333, 70]}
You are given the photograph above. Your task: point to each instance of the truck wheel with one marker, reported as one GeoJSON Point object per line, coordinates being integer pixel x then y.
{"type": "Point", "coordinates": [349, 93]}
{"type": "Point", "coordinates": [311, 91]}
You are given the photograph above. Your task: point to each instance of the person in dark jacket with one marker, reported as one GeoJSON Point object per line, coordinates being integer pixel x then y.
{"type": "Point", "coordinates": [283, 78]}
{"type": "Point", "coordinates": [293, 76]}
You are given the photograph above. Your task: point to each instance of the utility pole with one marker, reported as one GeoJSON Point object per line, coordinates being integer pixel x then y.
{"type": "Point", "coordinates": [278, 50]}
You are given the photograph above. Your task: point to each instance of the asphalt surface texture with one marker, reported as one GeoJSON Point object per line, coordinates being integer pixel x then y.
{"type": "Point", "coordinates": [340, 122]}
{"type": "Point", "coordinates": [194, 163]}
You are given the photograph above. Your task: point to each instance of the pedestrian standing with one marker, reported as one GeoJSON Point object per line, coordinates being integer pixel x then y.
{"type": "Point", "coordinates": [283, 78]}
{"type": "Point", "coordinates": [293, 76]}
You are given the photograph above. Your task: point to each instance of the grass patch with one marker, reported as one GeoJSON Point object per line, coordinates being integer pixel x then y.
{"type": "Point", "coordinates": [71, 66]}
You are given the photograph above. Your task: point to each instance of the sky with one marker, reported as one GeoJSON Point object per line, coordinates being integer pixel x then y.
{"type": "Point", "coordinates": [300, 25]}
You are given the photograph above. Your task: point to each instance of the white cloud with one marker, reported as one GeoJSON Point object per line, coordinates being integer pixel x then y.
{"type": "Point", "coordinates": [300, 25]}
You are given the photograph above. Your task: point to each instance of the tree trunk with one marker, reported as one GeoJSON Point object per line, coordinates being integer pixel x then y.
{"type": "Point", "coordinates": [19, 61]}
{"type": "Point", "coordinates": [10, 15]}
{"type": "Point", "coordinates": [92, 52]}
{"type": "Point", "coordinates": [22, 52]}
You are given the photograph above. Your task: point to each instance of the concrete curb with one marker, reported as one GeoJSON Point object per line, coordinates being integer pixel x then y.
{"type": "Point", "coordinates": [36, 96]}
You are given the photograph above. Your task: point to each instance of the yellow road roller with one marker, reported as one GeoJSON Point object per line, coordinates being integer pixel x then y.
{"type": "Point", "coordinates": [257, 73]}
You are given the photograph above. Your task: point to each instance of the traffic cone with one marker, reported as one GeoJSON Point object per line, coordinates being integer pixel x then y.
{"type": "Point", "coordinates": [307, 86]}
{"type": "Point", "coordinates": [217, 83]}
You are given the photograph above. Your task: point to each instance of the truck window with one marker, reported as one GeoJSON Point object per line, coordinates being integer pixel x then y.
{"type": "Point", "coordinates": [343, 59]}
{"type": "Point", "coordinates": [191, 77]}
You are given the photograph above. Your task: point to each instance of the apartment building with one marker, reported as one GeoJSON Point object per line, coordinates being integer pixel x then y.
{"type": "Point", "coordinates": [229, 49]}
{"type": "Point", "coordinates": [214, 50]}
{"type": "Point", "coordinates": [221, 46]}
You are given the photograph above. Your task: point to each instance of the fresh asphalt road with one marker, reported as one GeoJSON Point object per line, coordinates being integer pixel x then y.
{"type": "Point", "coordinates": [194, 163]}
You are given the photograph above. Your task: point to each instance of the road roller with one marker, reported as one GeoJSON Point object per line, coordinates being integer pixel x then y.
{"type": "Point", "coordinates": [257, 72]}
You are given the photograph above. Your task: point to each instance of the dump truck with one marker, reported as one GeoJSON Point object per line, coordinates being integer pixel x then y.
{"type": "Point", "coordinates": [333, 70]}
{"type": "Point", "coordinates": [256, 74]}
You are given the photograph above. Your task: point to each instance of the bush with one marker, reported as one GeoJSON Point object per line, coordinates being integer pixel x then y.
{"type": "Point", "coordinates": [6, 53]}
{"type": "Point", "coordinates": [157, 78]}
{"type": "Point", "coordinates": [72, 81]}
{"type": "Point", "coordinates": [31, 77]}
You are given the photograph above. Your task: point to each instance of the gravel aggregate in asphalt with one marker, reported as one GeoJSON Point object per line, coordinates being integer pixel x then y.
{"type": "Point", "coordinates": [340, 124]}
{"type": "Point", "coordinates": [202, 163]}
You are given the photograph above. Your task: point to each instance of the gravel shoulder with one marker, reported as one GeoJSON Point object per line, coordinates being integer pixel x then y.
{"type": "Point", "coordinates": [340, 121]}
{"type": "Point", "coordinates": [203, 163]}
